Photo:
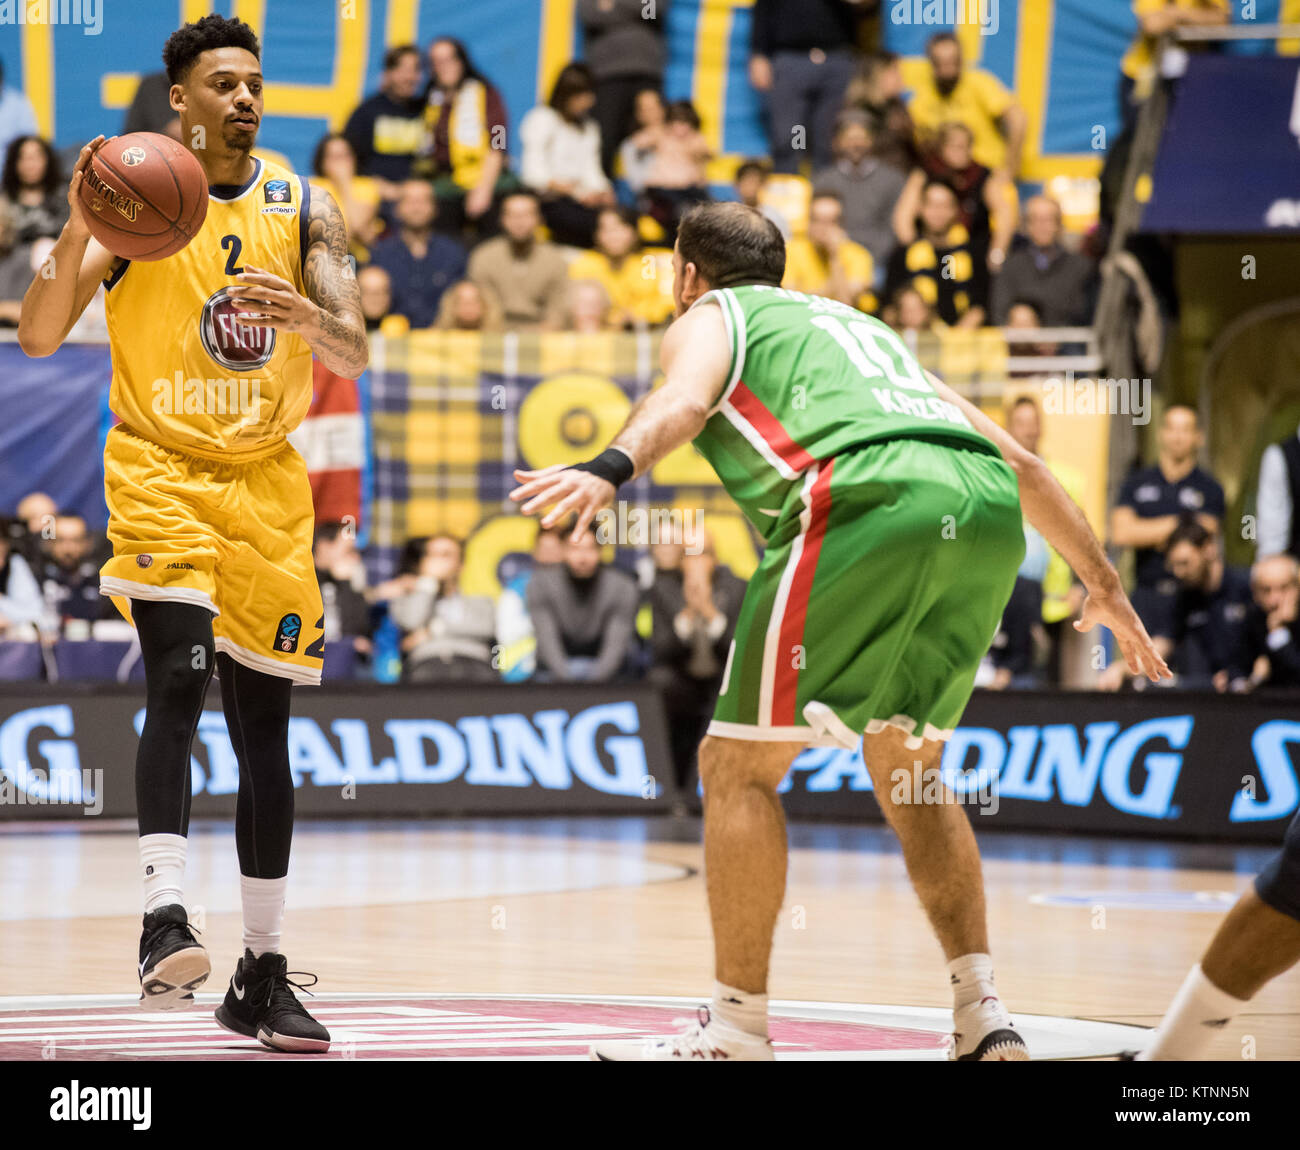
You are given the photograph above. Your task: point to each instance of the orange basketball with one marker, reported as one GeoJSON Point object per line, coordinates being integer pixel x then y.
{"type": "Point", "coordinates": [145, 195]}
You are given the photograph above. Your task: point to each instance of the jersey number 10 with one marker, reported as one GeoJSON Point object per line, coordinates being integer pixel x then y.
{"type": "Point", "coordinates": [862, 343]}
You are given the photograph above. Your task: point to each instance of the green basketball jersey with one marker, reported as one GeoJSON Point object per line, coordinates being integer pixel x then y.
{"type": "Point", "coordinates": [811, 378]}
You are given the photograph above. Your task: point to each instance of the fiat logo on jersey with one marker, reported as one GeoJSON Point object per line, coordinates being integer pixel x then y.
{"type": "Point", "coordinates": [133, 156]}
{"type": "Point", "coordinates": [232, 343]}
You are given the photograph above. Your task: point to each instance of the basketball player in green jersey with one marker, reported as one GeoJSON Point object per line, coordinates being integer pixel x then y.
{"type": "Point", "coordinates": [892, 522]}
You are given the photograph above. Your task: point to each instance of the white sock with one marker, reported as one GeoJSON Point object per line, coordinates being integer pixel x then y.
{"type": "Point", "coordinates": [162, 863]}
{"type": "Point", "coordinates": [263, 900]}
{"type": "Point", "coordinates": [740, 1009]}
{"type": "Point", "coordinates": [1199, 1011]}
{"type": "Point", "coordinates": [971, 976]}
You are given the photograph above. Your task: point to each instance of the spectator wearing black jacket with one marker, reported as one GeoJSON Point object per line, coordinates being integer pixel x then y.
{"type": "Point", "coordinates": [68, 574]}
{"type": "Point", "coordinates": [1207, 637]}
{"type": "Point", "coordinates": [1272, 653]}
{"type": "Point", "coordinates": [624, 45]}
{"type": "Point", "coordinates": [802, 58]}
{"type": "Point", "coordinates": [342, 578]}
{"type": "Point", "coordinates": [1020, 636]}
{"type": "Point", "coordinates": [1059, 283]}
{"type": "Point", "coordinates": [387, 129]}
{"type": "Point", "coordinates": [694, 606]}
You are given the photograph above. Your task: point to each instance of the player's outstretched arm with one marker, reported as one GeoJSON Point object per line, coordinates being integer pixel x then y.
{"type": "Point", "coordinates": [696, 358]}
{"type": "Point", "coordinates": [328, 317]}
{"type": "Point", "coordinates": [1050, 509]}
{"type": "Point", "coordinates": [68, 279]}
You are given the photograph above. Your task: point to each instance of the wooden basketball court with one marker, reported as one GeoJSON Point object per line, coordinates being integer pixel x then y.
{"type": "Point", "coordinates": [1081, 928]}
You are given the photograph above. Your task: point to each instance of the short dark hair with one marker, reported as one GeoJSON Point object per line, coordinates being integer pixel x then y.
{"type": "Point", "coordinates": [51, 182]}
{"type": "Point", "coordinates": [758, 166]}
{"type": "Point", "coordinates": [939, 38]}
{"type": "Point", "coordinates": [1189, 531]}
{"type": "Point", "coordinates": [522, 193]}
{"type": "Point", "coordinates": [683, 111]}
{"type": "Point", "coordinates": [732, 244]}
{"type": "Point", "coordinates": [1022, 401]}
{"type": "Point", "coordinates": [186, 44]}
{"type": "Point", "coordinates": [394, 56]}
{"type": "Point", "coordinates": [328, 532]}
{"type": "Point", "coordinates": [1196, 415]}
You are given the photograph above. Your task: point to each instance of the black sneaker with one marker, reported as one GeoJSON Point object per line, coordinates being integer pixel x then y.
{"type": "Point", "coordinates": [260, 1004]}
{"type": "Point", "coordinates": [172, 963]}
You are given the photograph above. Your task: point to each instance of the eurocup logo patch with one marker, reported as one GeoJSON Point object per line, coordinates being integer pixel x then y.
{"type": "Point", "coordinates": [286, 635]}
{"type": "Point", "coordinates": [133, 156]}
{"type": "Point", "coordinates": [277, 191]}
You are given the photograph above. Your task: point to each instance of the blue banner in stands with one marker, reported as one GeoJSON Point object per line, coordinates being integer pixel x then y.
{"type": "Point", "coordinates": [1229, 159]}
{"type": "Point", "coordinates": [50, 436]}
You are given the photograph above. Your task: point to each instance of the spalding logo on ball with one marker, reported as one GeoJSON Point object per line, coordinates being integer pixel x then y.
{"type": "Point", "coordinates": [146, 195]}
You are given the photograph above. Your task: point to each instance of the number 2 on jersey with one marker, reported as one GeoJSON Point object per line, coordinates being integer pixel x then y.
{"type": "Point", "coordinates": [234, 245]}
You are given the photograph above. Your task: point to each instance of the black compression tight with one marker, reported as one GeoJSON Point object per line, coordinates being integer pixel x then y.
{"type": "Point", "coordinates": [179, 658]}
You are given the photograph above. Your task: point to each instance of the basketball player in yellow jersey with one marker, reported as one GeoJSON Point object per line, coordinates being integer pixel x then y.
{"type": "Point", "coordinates": [210, 512]}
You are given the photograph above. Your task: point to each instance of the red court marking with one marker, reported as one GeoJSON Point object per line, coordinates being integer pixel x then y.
{"type": "Point", "coordinates": [412, 1027]}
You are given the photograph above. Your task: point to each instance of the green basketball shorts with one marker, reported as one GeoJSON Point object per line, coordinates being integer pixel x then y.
{"type": "Point", "coordinates": [876, 605]}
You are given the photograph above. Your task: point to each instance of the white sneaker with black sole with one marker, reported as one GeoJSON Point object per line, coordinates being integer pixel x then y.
{"type": "Point", "coordinates": [705, 1040]}
{"type": "Point", "coordinates": [983, 1032]}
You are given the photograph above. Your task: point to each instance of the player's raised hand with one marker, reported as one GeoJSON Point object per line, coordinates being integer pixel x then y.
{"type": "Point", "coordinates": [566, 491]}
{"type": "Point", "coordinates": [265, 299]}
{"type": "Point", "coordinates": [1116, 612]}
{"type": "Point", "coordinates": [76, 217]}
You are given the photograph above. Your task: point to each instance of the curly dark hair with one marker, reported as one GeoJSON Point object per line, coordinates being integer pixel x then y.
{"type": "Point", "coordinates": [51, 182]}
{"type": "Point", "coordinates": [186, 44]}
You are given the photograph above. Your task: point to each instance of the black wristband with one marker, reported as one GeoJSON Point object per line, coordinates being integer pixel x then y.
{"type": "Point", "coordinates": [611, 464]}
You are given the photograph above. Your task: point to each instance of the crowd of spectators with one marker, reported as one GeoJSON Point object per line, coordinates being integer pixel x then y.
{"type": "Point", "coordinates": [905, 207]}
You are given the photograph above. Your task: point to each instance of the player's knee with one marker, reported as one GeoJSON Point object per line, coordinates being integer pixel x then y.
{"type": "Point", "coordinates": [180, 676]}
{"type": "Point", "coordinates": [727, 763]}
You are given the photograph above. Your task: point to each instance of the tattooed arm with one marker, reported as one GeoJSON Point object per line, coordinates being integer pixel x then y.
{"type": "Point", "coordinates": [329, 316]}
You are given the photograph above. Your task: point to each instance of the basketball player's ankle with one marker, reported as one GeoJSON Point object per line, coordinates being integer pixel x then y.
{"type": "Point", "coordinates": [263, 905]}
{"type": "Point", "coordinates": [740, 1009]}
{"type": "Point", "coordinates": [1200, 1010]}
{"type": "Point", "coordinates": [162, 867]}
{"type": "Point", "coordinates": [971, 977]}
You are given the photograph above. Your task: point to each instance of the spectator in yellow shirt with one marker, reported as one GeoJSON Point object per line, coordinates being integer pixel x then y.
{"type": "Point", "coordinates": [629, 273]}
{"type": "Point", "coordinates": [826, 262]}
{"type": "Point", "coordinates": [1155, 18]}
{"type": "Point", "coordinates": [972, 97]}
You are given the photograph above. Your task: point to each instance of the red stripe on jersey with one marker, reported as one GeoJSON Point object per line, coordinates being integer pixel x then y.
{"type": "Point", "coordinates": [785, 689]}
{"type": "Point", "coordinates": [769, 427]}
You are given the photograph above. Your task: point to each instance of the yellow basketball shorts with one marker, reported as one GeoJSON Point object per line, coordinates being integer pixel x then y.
{"type": "Point", "coordinates": [234, 537]}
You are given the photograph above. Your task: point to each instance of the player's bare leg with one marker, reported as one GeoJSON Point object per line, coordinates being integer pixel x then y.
{"type": "Point", "coordinates": [1253, 945]}
{"type": "Point", "coordinates": [943, 863]}
{"type": "Point", "coordinates": [745, 856]}
{"type": "Point", "coordinates": [745, 861]}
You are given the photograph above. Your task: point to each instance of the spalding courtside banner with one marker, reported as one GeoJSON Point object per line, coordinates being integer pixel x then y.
{"type": "Point", "coordinates": [377, 750]}
{"type": "Point", "coordinates": [1161, 763]}
{"type": "Point", "coordinates": [1229, 158]}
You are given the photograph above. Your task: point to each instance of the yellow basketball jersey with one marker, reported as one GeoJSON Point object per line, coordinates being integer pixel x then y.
{"type": "Point", "coordinates": [187, 375]}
